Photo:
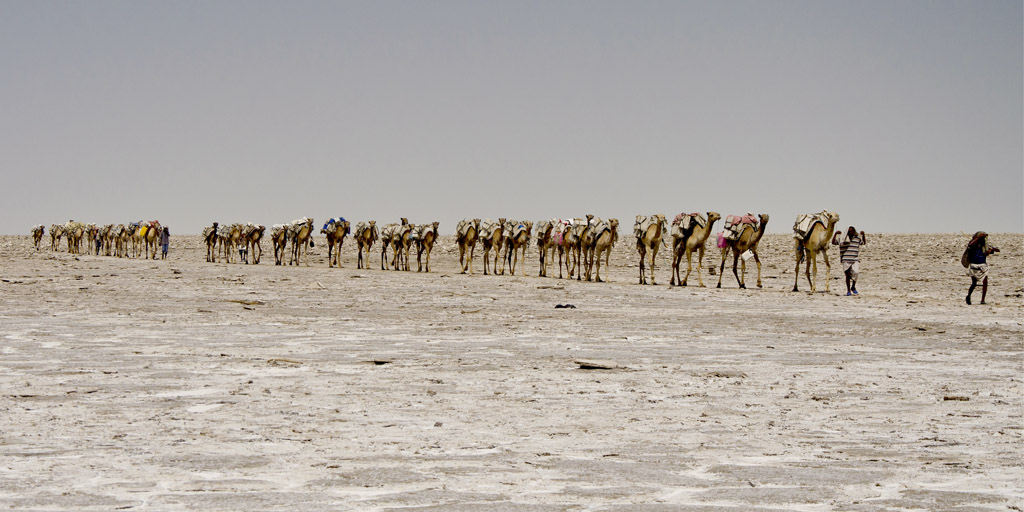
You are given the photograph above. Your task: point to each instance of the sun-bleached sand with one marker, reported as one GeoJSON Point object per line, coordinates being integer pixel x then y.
{"type": "Point", "coordinates": [179, 384]}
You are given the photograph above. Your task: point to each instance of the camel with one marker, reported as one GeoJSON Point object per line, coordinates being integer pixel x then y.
{"type": "Point", "coordinates": [425, 236]}
{"type": "Point", "coordinates": [686, 239]}
{"type": "Point", "coordinates": [580, 234]}
{"type": "Point", "coordinates": [107, 238]}
{"type": "Point", "coordinates": [366, 235]}
{"type": "Point", "coordinates": [37, 235]}
{"type": "Point", "coordinates": [229, 238]}
{"type": "Point", "coordinates": [565, 241]}
{"type": "Point", "coordinates": [151, 238]}
{"type": "Point", "coordinates": [135, 236]}
{"type": "Point", "coordinates": [400, 243]}
{"type": "Point", "coordinates": [587, 237]}
{"type": "Point", "coordinates": [56, 232]}
{"type": "Point", "coordinates": [750, 235]}
{"type": "Point", "coordinates": [74, 231]}
{"type": "Point", "coordinates": [92, 247]}
{"type": "Point", "coordinates": [808, 246]}
{"type": "Point", "coordinates": [121, 238]}
{"type": "Point", "coordinates": [602, 239]}
{"type": "Point", "coordinates": [300, 231]}
{"type": "Point", "coordinates": [387, 233]}
{"type": "Point", "coordinates": [335, 231]}
{"type": "Point", "coordinates": [516, 243]}
{"type": "Point", "coordinates": [279, 236]}
{"type": "Point", "coordinates": [493, 236]}
{"type": "Point", "coordinates": [466, 233]}
{"type": "Point", "coordinates": [648, 232]}
{"type": "Point", "coordinates": [545, 244]}
{"type": "Point", "coordinates": [252, 234]}
{"type": "Point", "coordinates": [211, 237]}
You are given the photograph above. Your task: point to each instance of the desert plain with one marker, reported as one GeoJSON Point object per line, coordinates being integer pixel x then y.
{"type": "Point", "coordinates": [131, 384]}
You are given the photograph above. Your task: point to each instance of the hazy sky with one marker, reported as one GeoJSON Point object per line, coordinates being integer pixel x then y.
{"type": "Point", "coordinates": [901, 116]}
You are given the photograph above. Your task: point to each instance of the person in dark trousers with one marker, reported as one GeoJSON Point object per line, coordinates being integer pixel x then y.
{"type": "Point", "coordinates": [165, 241]}
{"type": "Point", "coordinates": [977, 265]}
{"type": "Point", "coordinates": [849, 255]}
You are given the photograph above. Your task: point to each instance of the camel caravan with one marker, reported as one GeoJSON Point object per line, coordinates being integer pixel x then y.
{"type": "Point", "coordinates": [133, 240]}
{"type": "Point", "coordinates": [580, 243]}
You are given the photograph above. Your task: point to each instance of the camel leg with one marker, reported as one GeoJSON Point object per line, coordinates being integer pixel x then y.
{"type": "Point", "coordinates": [700, 263]}
{"type": "Point", "coordinates": [721, 268]}
{"type": "Point", "coordinates": [472, 250]}
{"type": "Point", "coordinates": [654, 254]}
{"type": "Point", "coordinates": [758, 261]}
{"type": "Point", "coordinates": [428, 258]}
{"type": "Point", "coordinates": [743, 273]}
{"type": "Point", "coordinates": [828, 271]}
{"type": "Point", "coordinates": [799, 257]}
{"type": "Point", "coordinates": [735, 261]}
{"type": "Point", "coordinates": [812, 259]}
{"type": "Point", "coordinates": [689, 266]}
{"type": "Point", "coordinates": [643, 255]}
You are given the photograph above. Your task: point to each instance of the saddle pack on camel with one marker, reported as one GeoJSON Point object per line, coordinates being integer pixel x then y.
{"type": "Point", "coordinates": [684, 223]}
{"type": "Point", "coordinates": [462, 228]}
{"type": "Point", "coordinates": [487, 228]}
{"type": "Point", "coordinates": [734, 225]}
{"type": "Point", "coordinates": [643, 223]}
{"type": "Point", "coordinates": [334, 222]}
{"type": "Point", "coordinates": [806, 221]}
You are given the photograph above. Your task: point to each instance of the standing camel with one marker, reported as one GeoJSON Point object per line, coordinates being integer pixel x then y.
{"type": "Point", "coordinates": [122, 235]}
{"type": "Point", "coordinates": [210, 238]}
{"type": "Point", "coordinates": [816, 240]}
{"type": "Point", "coordinates": [335, 231]}
{"type": "Point", "coordinates": [252, 234]}
{"type": "Point", "coordinates": [425, 236]}
{"type": "Point", "coordinates": [518, 241]}
{"type": "Point", "coordinates": [493, 236]}
{"type": "Point", "coordinates": [400, 243]}
{"type": "Point", "coordinates": [37, 235]}
{"type": "Point", "coordinates": [648, 231]}
{"type": "Point", "coordinates": [107, 236]}
{"type": "Point", "coordinates": [580, 234]}
{"type": "Point", "coordinates": [56, 231]}
{"type": "Point", "coordinates": [603, 239]}
{"type": "Point", "coordinates": [565, 241]}
{"type": "Point", "coordinates": [74, 231]}
{"type": "Point", "coordinates": [465, 236]}
{"type": "Point", "coordinates": [229, 238]}
{"type": "Point", "coordinates": [366, 235]}
{"type": "Point", "coordinates": [386, 235]}
{"type": "Point", "coordinates": [279, 236]}
{"type": "Point", "coordinates": [300, 232]}
{"type": "Point", "coordinates": [545, 244]}
{"type": "Point", "coordinates": [151, 239]}
{"type": "Point", "coordinates": [691, 232]}
{"type": "Point", "coordinates": [750, 235]}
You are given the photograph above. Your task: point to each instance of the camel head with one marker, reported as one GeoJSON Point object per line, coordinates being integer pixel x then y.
{"type": "Point", "coordinates": [347, 227]}
{"type": "Point", "coordinates": [476, 224]}
{"type": "Point", "coordinates": [764, 218]}
{"type": "Point", "coordinates": [833, 217]}
{"type": "Point", "coordinates": [713, 216]}
{"type": "Point", "coordinates": [405, 221]}
{"type": "Point", "coordinates": [435, 225]}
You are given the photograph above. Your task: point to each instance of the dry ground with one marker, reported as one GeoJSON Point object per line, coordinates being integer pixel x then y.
{"type": "Point", "coordinates": [180, 384]}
